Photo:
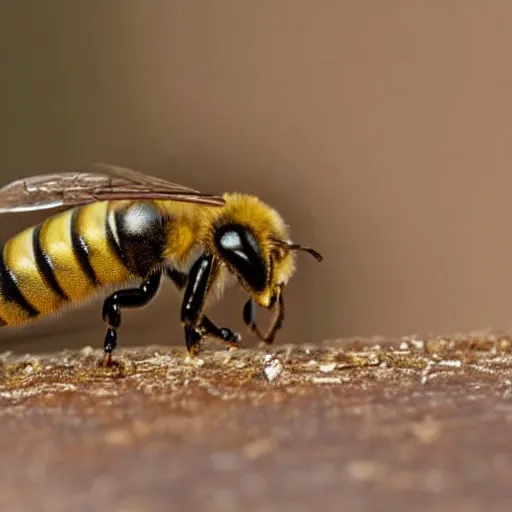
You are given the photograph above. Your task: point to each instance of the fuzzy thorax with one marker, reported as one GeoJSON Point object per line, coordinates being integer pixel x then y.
{"type": "Point", "coordinates": [191, 230]}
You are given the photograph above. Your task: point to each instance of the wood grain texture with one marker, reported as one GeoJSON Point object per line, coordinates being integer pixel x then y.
{"type": "Point", "coordinates": [403, 424]}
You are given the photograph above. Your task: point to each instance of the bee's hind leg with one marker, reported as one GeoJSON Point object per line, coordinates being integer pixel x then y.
{"type": "Point", "coordinates": [129, 298]}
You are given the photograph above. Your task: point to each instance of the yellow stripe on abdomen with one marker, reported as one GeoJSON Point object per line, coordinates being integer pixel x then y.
{"type": "Point", "coordinates": [13, 310]}
{"type": "Point", "coordinates": [56, 241]}
{"type": "Point", "coordinates": [12, 314]}
{"type": "Point", "coordinates": [20, 259]}
{"type": "Point", "coordinates": [95, 225]}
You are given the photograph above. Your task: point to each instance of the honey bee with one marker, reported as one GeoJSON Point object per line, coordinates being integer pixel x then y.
{"type": "Point", "coordinates": [121, 230]}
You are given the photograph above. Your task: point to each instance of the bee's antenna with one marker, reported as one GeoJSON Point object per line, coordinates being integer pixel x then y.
{"type": "Point", "coordinates": [297, 247]}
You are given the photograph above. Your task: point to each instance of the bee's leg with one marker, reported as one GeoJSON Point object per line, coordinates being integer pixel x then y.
{"type": "Point", "coordinates": [130, 298]}
{"type": "Point", "coordinates": [196, 286]}
{"type": "Point", "coordinates": [178, 278]}
{"type": "Point", "coordinates": [194, 336]}
{"type": "Point", "coordinates": [194, 297]}
{"type": "Point", "coordinates": [249, 316]}
{"type": "Point", "coordinates": [225, 334]}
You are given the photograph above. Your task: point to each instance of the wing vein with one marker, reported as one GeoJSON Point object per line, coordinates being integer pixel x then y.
{"type": "Point", "coordinates": [100, 182]}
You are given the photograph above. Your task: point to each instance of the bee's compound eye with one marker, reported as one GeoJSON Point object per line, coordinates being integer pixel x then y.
{"type": "Point", "coordinates": [238, 246]}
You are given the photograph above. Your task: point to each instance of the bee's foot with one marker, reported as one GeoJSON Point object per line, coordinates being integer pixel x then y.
{"type": "Point", "coordinates": [230, 337]}
{"type": "Point", "coordinates": [193, 351]}
{"type": "Point", "coordinates": [107, 360]}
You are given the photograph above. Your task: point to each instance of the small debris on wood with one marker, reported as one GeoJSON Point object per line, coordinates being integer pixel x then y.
{"type": "Point", "coordinates": [273, 368]}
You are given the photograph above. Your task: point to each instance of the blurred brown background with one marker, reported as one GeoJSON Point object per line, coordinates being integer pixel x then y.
{"type": "Point", "coordinates": [380, 130]}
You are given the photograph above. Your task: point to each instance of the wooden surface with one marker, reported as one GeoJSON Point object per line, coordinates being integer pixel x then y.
{"type": "Point", "coordinates": [348, 425]}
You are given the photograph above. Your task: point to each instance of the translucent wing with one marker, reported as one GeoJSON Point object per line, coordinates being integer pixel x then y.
{"type": "Point", "coordinates": [98, 183]}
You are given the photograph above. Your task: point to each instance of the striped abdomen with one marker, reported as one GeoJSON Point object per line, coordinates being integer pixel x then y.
{"type": "Point", "coordinates": [68, 257]}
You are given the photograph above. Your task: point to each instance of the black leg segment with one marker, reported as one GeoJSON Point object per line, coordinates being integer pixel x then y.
{"type": "Point", "coordinates": [196, 290]}
{"type": "Point", "coordinates": [196, 286]}
{"type": "Point", "coordinates": [193, 338]}
{"type": "Point", "coordinates": [129, 298]}
{"type": "Point", "coordinates": [223, 333]}
{"type": "Point", "coordinates": [249, 316]}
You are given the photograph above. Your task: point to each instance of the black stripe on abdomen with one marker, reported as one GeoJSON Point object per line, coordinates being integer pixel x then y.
{"type": "Point", "coordinates": [112, 240]}
{"type": "Point", "coordinates": [80, 248]}
{"type": "Point", "coordinates": [10, 290]}
{"type": "Point", "coordinates": [44, 264]}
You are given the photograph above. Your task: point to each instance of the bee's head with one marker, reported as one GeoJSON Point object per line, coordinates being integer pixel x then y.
{"type": "Point", "coordinates": [252, 241]}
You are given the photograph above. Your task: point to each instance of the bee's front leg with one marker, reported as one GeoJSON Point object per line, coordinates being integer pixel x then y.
{"type": "Point", "coordinates": [198, 284]}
